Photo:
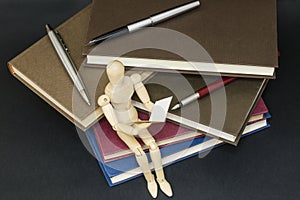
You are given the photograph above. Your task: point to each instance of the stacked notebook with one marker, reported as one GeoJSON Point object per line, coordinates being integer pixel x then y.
{"type": "Point", "coordinates": [240, 37]}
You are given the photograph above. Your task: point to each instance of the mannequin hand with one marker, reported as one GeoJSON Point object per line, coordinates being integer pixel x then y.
{"type": "Point", "coordinates": [137, 130]}
{"type": "Point", "coordinates": [142, 125]}
{"type": "Point", "coordinates": [149, 105]}
{"type": "Point", "coordinates": [127, 129]}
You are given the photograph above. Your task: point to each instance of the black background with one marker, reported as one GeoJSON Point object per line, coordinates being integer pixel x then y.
{"type": "Point", "coordinates": [42, 157]}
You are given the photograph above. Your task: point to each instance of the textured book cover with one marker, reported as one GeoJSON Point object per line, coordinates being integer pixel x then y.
{"type": "Point", "coordinates": [40, 69]}
{"type": "Point", "coordinates": [223, 113]}
{"type": "Point", "coordinates": [259, 111]}
{"type": "Point", "coordinates": [240, 34]}
{"type": "Point", "coordinates": [113, 148]}
{"type": "Point", "coordinates": [260, 108]}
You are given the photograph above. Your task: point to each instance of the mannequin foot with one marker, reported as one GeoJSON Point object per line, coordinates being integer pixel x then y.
{"type": "Point", "coordinates": [165, 187]}
{"type": "Point", "coordinates": [152, 188]}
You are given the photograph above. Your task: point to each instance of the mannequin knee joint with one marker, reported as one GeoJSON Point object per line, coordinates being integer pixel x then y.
{"type": "Point", "coordinates": [153, 146]}
{"type": "Point", "coordinates": [138, 151]}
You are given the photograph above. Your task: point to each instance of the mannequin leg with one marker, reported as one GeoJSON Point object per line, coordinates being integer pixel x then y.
{"type": "Point", "coordinates": [142, 160]}
{"type": "Point", "coordinates": [156, 160]}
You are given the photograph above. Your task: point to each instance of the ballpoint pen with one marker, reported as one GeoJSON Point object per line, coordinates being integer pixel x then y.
{"type": "Point", "coordinates": [63, 53]}
{"type": "Point", "coordinates": [152, 20]}
{"type": "Point", "coordinates": [204, 91]}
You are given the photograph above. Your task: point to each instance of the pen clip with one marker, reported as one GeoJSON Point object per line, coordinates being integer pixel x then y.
{"type": "Point", "coordinates": [64, 46]}
{"type": "Point", "coordinates": [62, 42]}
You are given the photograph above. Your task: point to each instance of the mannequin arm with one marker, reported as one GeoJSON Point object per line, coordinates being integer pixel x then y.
{"type": "Point", "coordinates": [141, 91]}
{"type": "Point", "coordinates": [108, 110]}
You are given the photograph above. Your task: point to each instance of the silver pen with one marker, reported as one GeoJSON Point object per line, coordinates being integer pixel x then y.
{"type": "Point", "coordinates": [64, 55]}
{"type": "Point", "coordinates": [152, 20]}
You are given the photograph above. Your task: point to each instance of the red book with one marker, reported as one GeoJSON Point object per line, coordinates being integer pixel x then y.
{"type": "Point", "coordinates": [113, 148]}
{"type": "Point", "coordinates": [259, 111]}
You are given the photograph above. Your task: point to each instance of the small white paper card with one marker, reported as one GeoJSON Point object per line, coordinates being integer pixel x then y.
{"type": "Point", "coordinates": [160, 110]}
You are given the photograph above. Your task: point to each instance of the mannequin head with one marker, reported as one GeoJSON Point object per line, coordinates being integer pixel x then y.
{"type": "Point", "coordinates": [115, 72]}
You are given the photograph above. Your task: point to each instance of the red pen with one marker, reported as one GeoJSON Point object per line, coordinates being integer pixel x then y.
{"type": "Point", "coordinates": [204, 91]}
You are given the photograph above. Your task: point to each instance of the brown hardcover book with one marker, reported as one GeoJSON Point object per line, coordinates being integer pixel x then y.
{"type": "Point", "coordinates": [237, 101]}
{"type": "Point", "coordinates": [40, 69]}
{"type": "Point", "coordinates": [239, 35]}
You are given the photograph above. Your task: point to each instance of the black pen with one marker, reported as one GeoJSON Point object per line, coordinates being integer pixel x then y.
{"type": "Point", "coordinates": [152, 20]}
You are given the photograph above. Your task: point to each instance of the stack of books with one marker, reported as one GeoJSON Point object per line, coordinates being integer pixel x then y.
{"type": "Point", "coordinates": [240, 36]}
{"type": "Point", "coordinates": [177, 143]}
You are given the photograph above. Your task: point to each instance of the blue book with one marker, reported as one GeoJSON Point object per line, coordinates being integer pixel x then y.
{"type": "Point", "coordinates": [125, 169]}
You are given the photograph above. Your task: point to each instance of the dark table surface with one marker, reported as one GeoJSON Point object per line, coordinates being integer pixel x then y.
{"type": "Point", "coordinates": [42, 157]}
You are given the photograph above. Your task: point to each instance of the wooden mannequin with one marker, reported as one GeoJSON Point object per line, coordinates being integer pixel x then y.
{"type": "Point", "coordinates": [117, 108]}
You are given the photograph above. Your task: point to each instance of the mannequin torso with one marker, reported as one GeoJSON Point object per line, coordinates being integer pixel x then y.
{"type": "Point", "coordinates": [120, 95]}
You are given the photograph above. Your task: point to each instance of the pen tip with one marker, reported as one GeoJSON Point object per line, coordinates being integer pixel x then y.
{"type": "Point", "coordinates": [176, 107]}
{"type": "Point", "coordinates": [48, 28]}
{"type": "Point", "coordinates": [90, 43]}
{"type": "Point", "coordinates": [87, 101]}
{"type": "Point", "coordinates": [85, 97]}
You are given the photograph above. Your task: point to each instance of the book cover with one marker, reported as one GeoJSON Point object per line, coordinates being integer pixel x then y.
{"type": "Point", "coordinates": [239, 35]}
{"type": "Point", "coordinates": [113, 148]}
{"type": "Point", "coordinates": [237, 101]}
{"type": "Point", "coordinates": [40, 69]}
{"type": "Point", "coordinates": [259, 111]}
